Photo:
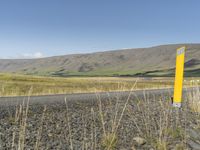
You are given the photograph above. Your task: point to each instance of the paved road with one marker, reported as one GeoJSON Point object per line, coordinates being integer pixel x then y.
{"type": "Point", "coordinates": [86, 97]}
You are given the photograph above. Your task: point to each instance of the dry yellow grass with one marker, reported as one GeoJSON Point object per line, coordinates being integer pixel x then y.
{"type": "Point", "coordinates": [194, 99]}
{"type": "Point", "coordinates": [14, 85]}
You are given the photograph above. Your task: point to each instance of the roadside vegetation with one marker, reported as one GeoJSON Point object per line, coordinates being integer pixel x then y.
{"type": "Point", "coordinates": [17, 85]}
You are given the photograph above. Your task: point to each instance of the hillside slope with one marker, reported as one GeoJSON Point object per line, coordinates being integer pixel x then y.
{"type": "Point", "coordinates": [154, 61]}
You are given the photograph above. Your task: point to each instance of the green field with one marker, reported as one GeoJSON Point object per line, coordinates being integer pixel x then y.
{"type": "Point", "coordinates": [14, 84]}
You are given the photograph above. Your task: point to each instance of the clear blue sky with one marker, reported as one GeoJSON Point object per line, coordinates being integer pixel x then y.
{"type": "Point", "coordinates": [34, 28]}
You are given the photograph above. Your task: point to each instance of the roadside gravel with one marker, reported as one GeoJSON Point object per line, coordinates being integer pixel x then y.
{"type": "Point", "coordinates": [86, 121]}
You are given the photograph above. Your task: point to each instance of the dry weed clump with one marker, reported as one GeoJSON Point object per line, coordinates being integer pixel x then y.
{"type": "Point", "coordinates": [193, 99]}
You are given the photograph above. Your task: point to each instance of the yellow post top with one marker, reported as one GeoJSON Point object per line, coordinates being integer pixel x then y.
{"type": "Point", "coordinates": [178, 84]}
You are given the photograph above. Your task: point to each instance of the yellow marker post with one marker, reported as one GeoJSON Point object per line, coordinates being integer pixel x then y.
{"type": "Point", "coordinates": [178, 85]}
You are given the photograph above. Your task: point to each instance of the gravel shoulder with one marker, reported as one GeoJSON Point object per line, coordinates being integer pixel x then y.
{"type": "Point", "coordinates": [119, 120]}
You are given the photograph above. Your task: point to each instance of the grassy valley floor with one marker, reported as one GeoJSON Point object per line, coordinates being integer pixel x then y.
{"type": "Point", "coordinates": [18, 85]}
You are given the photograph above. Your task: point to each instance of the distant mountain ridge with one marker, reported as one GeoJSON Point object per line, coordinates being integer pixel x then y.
{"type": "Point", "coordinates": [153, 61]}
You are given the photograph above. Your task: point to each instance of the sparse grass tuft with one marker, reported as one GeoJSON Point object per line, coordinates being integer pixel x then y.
{"type": "Point", "coordinates": [109, 141]}
{"type": "Point", "coordinates": [161, 145]}
{"type": "Point", "coordinates": [194, 99]}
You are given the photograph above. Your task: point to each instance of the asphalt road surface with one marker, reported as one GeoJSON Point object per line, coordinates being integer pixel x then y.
{"type": "Point", "coordinates": [87, 97]}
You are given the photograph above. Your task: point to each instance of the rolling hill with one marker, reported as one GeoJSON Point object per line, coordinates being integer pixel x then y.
{"type": "Point", "coordinates": [153, 61]}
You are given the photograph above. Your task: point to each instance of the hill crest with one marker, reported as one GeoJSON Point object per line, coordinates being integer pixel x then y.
{"type": "Point", "coordinates": [153, 61]}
